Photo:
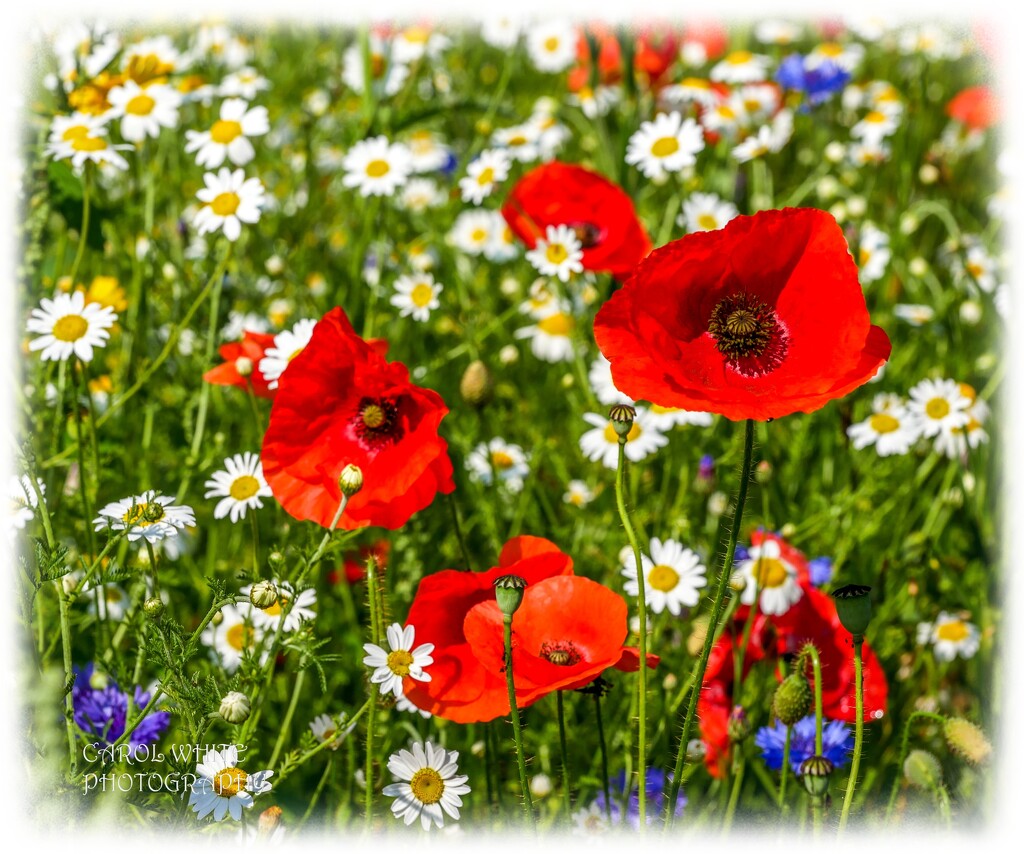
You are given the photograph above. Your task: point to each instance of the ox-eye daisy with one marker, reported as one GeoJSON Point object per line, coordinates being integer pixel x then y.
{"type": "Point", "coordinates": [230, 199]}
{"type": "Point", "coordinates": [765, 570]}
{"type": "Point", "coordinates": [665, 145]}
{"type": "Point", "coordinates": [428, 785]}
{"type": "Point", "coordinates": [666, 417]}
{"type": "Point", "coordinates": [235, 635]}
{"type": "Point", "coordinates": [559, 254]}
{"type": "Point", "coordinates": [498, 460]}
{"type": "Point", "coordinates": [578, 494]}
{"type": "Point", "coordinates": [147, 516]}
{"type": "Point", "coordinates": [143, 112]}
{"type": "Point", "coordinates": [938, 406]}
{"type": "Point", "coordinates": [889, 428]}
{"type": "Point", "coordinates": [489, 169]}
{"type": "Point", "coordinates": [673, 576]}
{"type": "Point", "coordinates": [240, 486]}
{"type": "Point", "coordinates": [551, 336]}
{"type": "Point", "coordinates": [741, 66]}
{"type": "Point", "coordinates": [472, 231]}
{"type": "Point", "coordinates": [602, 443]}
{"type": "Point", "coordinates": [400, 660]}
{"type": "Point", "coordinates": [874, 253]}
{"type": "Point", "coordinates": [287, 345]}
{"type": "Point", "coordinates": [93, 147]}
{"type": "Point", "coordinates": [228, 137]}
{"type": "Point", "coordinates": [950, 636]}
{"type": "Point", "coordinates": [376, 166]}
{"type": "Point", "coordinates": [551, 45]}
{"type": "Point", "coordinates": [222, 788]}
{"type": "Point", "coordinates": [67, 326]}
{"type": "Point", "coordinates": [416, 295]}
{"type": "Point", "coordinates": [706, 212]}
{"type": "Point", "coordinates": [325, 728]}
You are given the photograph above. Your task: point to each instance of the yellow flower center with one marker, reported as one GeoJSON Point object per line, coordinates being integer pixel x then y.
{"type": "Point", "coordinates": [240, 636]}
{"type": "Point", "coordinates": [486, 177]}
{"type": "Point", "coordinates": [955, 631]}
{"type": "Point", "coordinates": [865, 256]}
{"type": "Point", "coordinates": [140, 105]}
{"type": "Point", "coordinates": [244, 487]}
{"type": "Point", "coordinates": [478, 235]}
{"type": "Point", "coordinates": [143, 515]}
{"type": "Point", "coordinates": [399, 662]}
{"type": "Point", "coordinates": [696, 83]}
{"type": "Point", "coordinates": [71, 327]}
{"type": "Point", "coordinates": [88, 143]}
{"type": "Point", "coordinates": [275, 609]}
{"type": "Point", "coordinates": [663, 410]}
{"type": "Point", "coordinates": [557, 324]}
{"type": "Point", "coordinates": [707, 222]}
{"type": "Point", "coordinates": [421, 295]}
{"type": "Point", "coordinates": [75, 132]}
{"type": "Point", "coordinates": [518, 139]}
{"type": "Point", "coordinates": [876, 118]}
{"type": "Point", "coordinates": [377, 168]}
{"type": "Point", "coordinates": [770, 572]}
{"type": "Point", "coordinates": [374, 416]}
{"type": "Point", "coordinates": [556, 253]}
{"type": "Point", "coordinates": [416, 35]}
{"type": "Point", "coordinates": [882, 422]}
{"type": "Point", "coordinates": [937, 408]}
{"type": "Point", "coordinates": [112, 594]}
{"type": "Point", "coordinates": [612, 438]}
{"type": "Point", "coordinates": [726, 112]}
{"type": "Point", "coordinates": [663, 577]}
{"type": "Point", "coordinates": [551, 43]}
{"type": "Point", "coordinates": [225, 204]}
{"type": "Point", "coordinates": [225, 131]}
{"type": "Point", "coordinates": [665, 146]}
{"type": "Point", "coordinates": [739, 57]}
{"type": "Point", "coordinates": [830, 49]}
{"type": "Point", "coordinates": [229, 782]}
{"type": "Point", "coordinates": [501, 460]}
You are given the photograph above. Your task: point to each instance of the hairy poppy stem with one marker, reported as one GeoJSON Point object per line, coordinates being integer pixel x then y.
{"type": "Point", "coordinates": [606, 786]}
{"type": "Point", "coordinates": [783, 806]}
{"type": "Point", "coordinates": [516, 727]}
{"type": "Point", "coordinates": [904, 749]}
{"type": "Point", "coordinates": [858, 740]}
{"type": "Point", "coordinates": [566, 777]}
{"type": "Point", "coordinates": [375, 638]}
{"type": "Point", "coordinates": [716, 613]}
{"type": "Point", "coordinates": [620, 500]}
{"type": "Point", "coordinates": [811, 651]}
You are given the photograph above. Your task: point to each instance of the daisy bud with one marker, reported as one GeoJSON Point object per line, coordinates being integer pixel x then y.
{"type": "Point", "coordinates": [922, 769]}
{"type": "Point", "coordinates": [967, 740]}
{"type": "Point", "coordinates": [928, 174]}
{"type": "Point", "coordinates": [738, 726]}
{"type": "Point", "coordinates": [234, 707]}
{"type": "Point", "coordinates": [508, 354]}
{"type": "Point", "coordinates": [622, 416]}
{"type": "Point", "coordinates": [477, 385]}
{"type": "Point", "coordinates": [540, 786]}
{"type": "Point", "coordinates": [568, 380]}
{"type": "Point", "coordinates": [509, 286]}
{"type": "Point", "coordinates": [351, 480]}
{"type": "Point", "coordinates": [854, 607]}
{"type": "Point", "coordinates": [815, 773]}
{"type": "Point", "coordinates": [793, 697]}
{"type": "Point", "coordinates": [263, 594]}
{"type": "Point", "coordinates": [275, 559]}
{"type": "Point", "coordinates": [99, 681]}
{"type": "Point", "coordinates": [243, 364]}
{"type": "Point", "coordinates": [154, 607]}
{"type": "Point", "coordinates": [917, 266]}
{"type": "Point", "coordinates": [856, 205]}
{"type": "Point", "coordinates": [509, 591]}
{"type": "Point", "coordinates": [270, 818]}
{"type": "Point", "coordinates": [696, 750]}
{"type": "Point", "coordinates": [909, 223]}
{"type": "Point", "coordinates": [787, 531]}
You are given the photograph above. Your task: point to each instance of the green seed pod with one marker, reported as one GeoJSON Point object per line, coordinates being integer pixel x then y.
{"type": "Point", "coordinates": [793, 699]}
{"type": "Point", "coordinates": [922, 769]}
{"type": "Point", "coordinates": [509, 591]}
{"type": "Point", "coordinates": [815, 773]}
{"type": "Point", "coordinates": [622, 416]}
{"type": "Point", "coordinates": [854, 607]}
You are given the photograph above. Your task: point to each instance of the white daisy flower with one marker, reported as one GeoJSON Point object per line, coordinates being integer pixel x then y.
{"type": "Point", "coordinates": [245, 83]}
{"type": "Point", "coordinates": [559, 254]}
{"type": "Point", "coordinates": [706, 212]}
{"type": "Point", "coordinates": [428, 784]}
{"type": "Point", "coordinates": [416, 296]}
{"type": "Point", "coordinates": [666, 417]}
{"type": "Point", "coordinates": [427, 150]}
{"type": "Point", "coordinates": [414, 43]}
{"type": "Point", "coordinates": [229, 135]}
{"type": "Point", "coordinates": [765, 570]}
{"type": "Point", "coordinates": [774, 31]}
{"type": "Point", "coordinates": [502, 31]}
{"type": "Point", "coordinates": [551, 336]}
{"type": "Point", "coordinates": [115, 603]}
{"type": "Point", "coordinates": [83, 49]}
{"type": "Point", "coordinates": [602, 443]}
{"type": "Point", "coordinates": [600, 376]}
{"type": "Point", "coordinates": [542, 301]}
{"type": "Point", "coordinates": [419, 194]}
{"type": "Point", "coordinates": [847, 56]}
{"type": "Point", "coordinates": [875, 126]}
{"type": "Point", "coordinates": [400, 660]}
{"type": "Point", "coordinates": [153, 57]}
{"type": "Point", "coordinates": [387, 76]}
{"type": "Point", "coordinates": [325, 728]}
{"type": "Point", "coordinates": [889, 428]}
{"type": "Point", "coordinates": [287, 345]}
{"type": "Point", "coordinates": [869, 152]}
{"type": "Point", "coordinates": [483, 174]}
{"type": "Point", "coordinates": [217, 42]}
{"type": "Point", "coordinates": [230, 199]}
{"type": "Point", "coordinates": [301, 609]}
{"type": "Point", "coordinates": [551, 45]}
{"type": "Point", "coordinates": [404, 704]}
{"type": "Point", "coordinates": [143, 112]}
{"type": "Point", "coordinates": [955, 442]}
{"type": "Point", "coordinates": [67, 326]}
{"type": "Point", "coordinates": [767, 140]}
{"type": "Point", "coordinates": [873, 254]}
{"type": "Point", "coordinates": [741, 66]}
{"type": "Point", "coordinates": [725, 116]}
{"type": "Point", "coordinates": [22, 500]}
{"type": "Point", "coordinates": [673, 576]}
{"type": "Point", "coordinates": [377, 167]}
{"type": "Point", "coordinates": [596, 102]}
{"type": "Point", "coordinates": [665, 145]}
{"type": "Point", "coordinates": [758, 100]}
{"type": "Point", "coordinates": [238, 323]}
{"type": "Point", "coordinates": [240, 486]}
{"type": "Point", "coordinates": [472, 231]}
{"type": "Point", "coordinates": [915, 315]}
{"type": "Point", "coordinates": [980, 266]}
{"type": "Point", "coordinates": [148, 516]}
{"type": "Point", "coordinates": [498, 460]}
{"type": "Point", "coordinates": [578, 494]}
{"type": "Point", "coordinates": [222, 788]}
{"type": "Point", "coordinates": [502, 244]}
{"type": "Point", "coordinates": [938, 406]}
{"type": "Point", "coordinates": [64, 129]}
{"type": "Point", "coordinates": [235, 635]}
{"type": "Point", "coordinates": [950, 637]}
{"type": "Point", "coordinates": [551, 134]}
{"type": "Point", "coordinates": [521, 142]}
{"type": "Point", "coordinates": [690, 90]}
{"type": "Point", "coordinates": [93, 147]}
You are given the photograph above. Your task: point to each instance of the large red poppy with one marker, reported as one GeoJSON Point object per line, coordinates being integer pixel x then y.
{"type": "Point", "coordinates": [600, 213]}
{"type": "Point", "coordinates": [463, 688]}
{"type": "Point", "coordinates": [976, 106]}
{"type": "Point", "coordinates": [252, 347]}
{"type": "Point", "coordinates": [339, 403]}
{"type": "Point", "coordinates": [759, 319]}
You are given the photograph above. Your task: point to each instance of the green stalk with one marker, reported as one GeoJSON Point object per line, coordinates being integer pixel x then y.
{"type": "Point", "coordinates": [858, 740]}
{"type": "Point", "coordinates": [516, 725]}
{"type": "Point", "coordinates": [566, 776]}
{"type": "Point", "coordinates": [904, 749]}
{"type": "Point", "coordinates": [84, 234]}
{"type": "Point", "coordinates": [783, 806]}
{"type": "Point", "coordinates": [737, 783]}
{"type": "Point", "coordinates": [716, 612]}
{"type": "Point", "coordinates": [300, 677]}
{"type": "Point", "coordinates": [605, 785]}
{"type": "Point", "coordinates": [371, 712]}
{"type": "Point", "coordinates": [817, 802]}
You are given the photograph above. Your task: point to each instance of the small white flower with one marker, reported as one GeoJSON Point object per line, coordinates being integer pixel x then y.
{"type": "Point", "coordinates": [706, 212]}
{"type": "Point", "coordinates": [551, 337]}
{"type": "Point", "coordinates": [938, 406]}
{"type": "Point", "coordinates": [665, 145]}
{"type": "Point", "coordinates": [950, 637]}
{"type": "Point", "coordinates": [768, 139]}
{"type": "Point", "coordinates": [287, 345]}
{"type": "Point", "coordinates": [691, 90]}
{"type": "Point", "coordinates": [673, 576]}
{"type": "Point", "coordinates": [874, 253]}
{"type": "Point", "coordinates": [521, 142]}
{"type": "Point", "coordinates": [600, 376]}
{"type": "Point", "coordinates": [774, 31]}
{"type": "Point", "coordinates": [81, 148]}
{"type": "Point", "coordinates": [502, 32]}
{"type": "Point", "coordinates": [230, 199]}
{"type": "Point", "coordinates": [234, 636]}
{"type": "Point", "coordinates": [602, 443]}
{"type": "Point", "coordinates": [578, 494]}
{"type": "Point", "coordinates": [915, 315]}
{"type": "Point", "coordinates": [596, 102]}
{"type": "Point", "coordinates": [404, 704]}
{"type": "Point", "coordinates": [483, 174]}
{"type": "Point", "coordinates": [387, 76]}
{"type": "Point", "coordinates": [67, 326]}
{"type": "Point", "coordinates": [590, 821]}
{"type": "Point", "coordinates": [955, 442]}
{"type": "Point", "coordinates": [428, 784]}
{"type": "Point", "coordinates": [415, 43]}
{"type": "Point", "coordinates": [741, 66]}
{"type": "Point", "coordinates": [245, 83]}
{"type": "Point", "coordinates": [847, 56]}
{"type": "Point", "coordinates": [889, 428]}
{"type": "Point", "coordinates": [498, 460]}
{"type": "Point", "coordinates": [147, 516]}
{"type": "Point", "coordinates": [229, 135]}
{"type": "Point", "coordinates": [21, 501]}
{"type": "Point", "coordinates": [376, 166]}
{"type": "Point", "coordinates": [143, 112]}
{"type": "Point", "coordinates": [399, 661]}
{"type": "Point", "coordinates": [559, 254]}
{"type": "Point", "coordinates": [223, 788]}
{"type": "Point", "coordinates": [875, 126]}
{"type": "Point", "coordinates": [551, 45]}
{"type": "Point", "coordinates": [419, 194]}
{"type": "Point", "coordinates": [325, 728]}
{"type": "Point", "coordinates": [240, 486]}
{"type": "Point", "coordinates": [766, 570]}
{"type": "Point", "coordinates": [472, 231]}
{"type": "Point", "coordinates": [427, 151]}
{"type": "Point", "coordinates": [416, 295]}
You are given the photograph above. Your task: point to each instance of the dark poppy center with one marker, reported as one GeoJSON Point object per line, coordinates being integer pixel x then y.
{"type": "Point", "coordinates": [562, 653]}
{"type": "Point", "coordinates": [749, 334]}
{"type": "Point", "coordinates": [376, 421]}
{"type": "Point", "coordinates": [587, 233]}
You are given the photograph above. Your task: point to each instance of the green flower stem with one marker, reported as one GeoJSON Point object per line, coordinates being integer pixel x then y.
{"type": "Point", "coordinates": [371, 712]}
{"type": "Point", "coordinates": [738, 766]}
{"type": "Point", "coordinates": [83, 235]}
{"type": "Point", "coordinates": [605, 784]}
{"type": "Point", "coordinates": [324, 745]}
{"type": "Point", "coordinates": [516, 726]}
{"type": "Point", "coordinates": [904, 750]}
{"type": "Point", "coordinates": [811, 651]}
{"type": "Point", "coordinates": [286, 724]}
{"type": "Point", "coordinates": [716, 613]}
{"type": "Point", "coordinates": [858, 738]}
{"type": "Point", "coordinates": [783, 806]}
{"type": "Point", "coordinates": [620, 500]}
{"type": "Point", "coordinates": [818, 813]}
{"type": "Point", "coordinates": [566, 776]}
{"type": "Point", "coordinates": [255, 544]}
{"type": "Point", "coordinates": [458, 532]}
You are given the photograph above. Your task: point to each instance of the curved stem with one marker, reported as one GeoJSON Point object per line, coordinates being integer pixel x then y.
{"type": "Point", "coordinates": [516, 725]}
{"type": "Point", "coordinates": [737, 784]}
{"type": "Point", "coordinates": [811, 651]}
{"type": "Point", "coordinates": [904, 750]}
{"type": "Point", "coordinates": [858, 740]}
{"type": "Point", "coordinates": [716, 613]}
{"type": "Point", "coordinates": [286, 724]}
{"type": "Point", "coordinates": [371, 712]}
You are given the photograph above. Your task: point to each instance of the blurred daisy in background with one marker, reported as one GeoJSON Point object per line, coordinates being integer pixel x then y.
{"type": "Point", "coordinates": [741, 66]}
{"type": "Point", "coordinates": [765, 570]}
{"type": "Point", "coordinates": [950, 637]}
{"type": "Point", "coordinates": [551, 336]}
{"type": "Point", "coordinates": [233, 637]}
{"type": "Point", "coordinates": [551, 45]}
{"type": "Point", "coordinates": [376, 166]}
{"type": "Point", "coordinates": [487, 170]}
{"type": "Point", "coordinates": [230, 199]}
{"type": "Point", "coordinates": [228, 137]}
{"type": "Point", "coordinates": [558, 254]}
{"type": "Point", "coordinates": [143, 112]}
{"type": "Point", "coordinates": [666, 144]}
{"type": "Point", "coordinates": [938, 406]}
{"type": "Point", "coordinates": [416, 296]}
{"type": "Point", "coordinates": [890, 428]}
{"type": "Point", "coordinates": [498, 460]}
{"type": "Point", "coordinates": [706, 212]}
{"type": "Point", "coordinates": [578, 494]}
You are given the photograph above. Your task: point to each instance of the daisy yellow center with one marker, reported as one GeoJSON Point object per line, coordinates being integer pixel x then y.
{"type": "Point", "coordinates": [328, 733]}
{"type": "Point", "coordinates": [967, 390]}
{"type": "Point", "coordinates": [663, 577]}
{"type": "Point", "coordinates": [770, 572]}
{"type": "Point", "coordinates": [551, 43]}
{"type": "Point", "coordinates": [421, 295]}
{"type": "Point", "coordinates": [865, 256]}
{"type": "Point", "coordinates": [275, 609]}
{"type": "Point", "coordinates": [665, 146]}
{"type": "Point", "coordinates": [556, 253]}
{"type": "Point", "coordinates": [501, 460]}
{"type": "Point", "coordinates": [377, 168]}
{"type": "Point", "coordinates": [485, 177]}
{"type": "Point", "coordinates": [244, 487]}
{"type": "Point", "coordinates": [427, 786]}
{"type": "Point", "coordinates": [75, 132]}
{"type": "Point", "coordinates": [975, 269]}
{"type": "Point", "coordinates": [663, 410]}
{"type": "Point", "coordinates": [955, 631]}
{"type": "Point", "coordinates": [937, 408]}
{"type": "Point", "coordinates": [478, 235]}
{"type": "Point", "coordinates": [225, 204]}
{"type": "Point", "coordinates": [695, 83]}
{"type": "Point", "coordinates": [612, 438]}
{"type": "Point", "coordinates": [399, 662]}
{"type": "Point", "coordinates": [707, 222]}
{"type": "Point", "coordinates": [229, 782]}
{"type": "Point", "coordinates": [557, 324]}
{"type": "Point", "coordinates": [143, 515]}
{"type": "Point", "coordinates": [830, 49]}
{"type": "Point", "coordinates": [113, 595]}
{"type": "Point", "coordinates": [225, 131]}
{"type": "Point", "coordinates": [740, 57]}
{"type": "Point", "coordinates": [140, 105]}
{"type": "Point", "coordinates": [239, 636]}
{"type": "Point", "coordinates": [882, 422]}
{"type": "Point", "coordinates": [377, 65]}
{"type": "Point", "coordinates": [726, 112]}
{"type": "Point", "coordinates": [71, 327]}
{"type": "Point", "coordinates": [88, 143]}
{"type": "Point", "coordinates": [751, 105]}
{"type": "Point", "coordinates": [876, 118]}
{"type": "Point", "coordinates": [416, 35]}
{"type": "Point", "coordinates": [518, 139]}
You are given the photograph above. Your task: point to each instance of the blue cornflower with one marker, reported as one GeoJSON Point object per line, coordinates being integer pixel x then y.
{"type": "Point", "coordinates": [836, 743]}
{"type": "Point", "coordinates": [821, 571]}
{"type": "Point", "coordinates": [101, 712]}
{"type": "Point", "coordinates": [656, 779]}
{"type": "Point", "coordinates": [818, 84]}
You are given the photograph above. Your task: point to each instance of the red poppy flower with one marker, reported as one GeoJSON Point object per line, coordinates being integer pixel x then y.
{"type": "Point", "coordinates": [461, 688]}
{"type": "Point", "coordinates": [976, 107]}
{"type": "Point", "coordinates": [600, 213]}
{"type": "Point", "coordinates": [656, 50]}
{"type": "Point", "coordinates": [759, 319]}
{"type": "Point", "coordinates": [629, 661]}
{"type": "Point", "coordinates": [252, 347]}
{"type": "Point", "coordinates": [341, 403]}
{"type": "Point", "coordinates": [353, 568]}
{"type": "Point", "coordinates": [609, 58]}
{"type": "Point", "coordinates": [709, 35]}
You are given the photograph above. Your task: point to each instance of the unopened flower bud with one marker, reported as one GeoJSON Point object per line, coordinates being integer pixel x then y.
{"type": "Point", "coordinates": [540, 786]}
{"type": "Point", "coordinates": [509, 591]}
{"type": "Point", "coordinates": [853, 605]}
{"type": "Point", "coordinates": [815, 773]}
{"type": "Point", "coordinates": [967, 740]}
{"type": "Point", "coordinates": [477, 385]}
{"type": "Point", "coordinates": [738, 726]}
{"type": "Point", "coordinates": [478, 749]}
{"type": "Point", "coordinates": [793, 697]}
{"type": "Point", "coordinates": [622, 416]}
{"type": "Point", "coordinates": [763, 474]}
{"type": "Point", "coordinates": [234, 707]}
{"type": "Point", "coordinates": [350, 480]}
{"type": "Point", "coordinates": [263, 594]}
{"type": "Point", "coordinates": [508, 354]}
{"type": "Point", "coordinates": [98, 681]}
{"type": "Point", "coordinates": [243, 364]}
{"type": "Point", "coordinates": [269, 821]}
{"type": "Point", "coordinates": [696, 750]}
{"type": "Point", "coordinates": [928, 173]}
{"type": "Point", "coordinates": [787, 531]}
{"type": "Point", "coordinates": [922, 769]}
{"type": "Point", "coordinates": [154, 607]}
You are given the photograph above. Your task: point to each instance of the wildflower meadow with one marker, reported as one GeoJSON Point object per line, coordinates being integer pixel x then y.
{"type": "Point", "coordinates": [514, 425]}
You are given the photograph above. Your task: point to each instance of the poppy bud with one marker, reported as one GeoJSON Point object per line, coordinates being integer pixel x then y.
{"type": "Point", "coordinates": [853, 605]}
{"type": "Point", "coordinates": [350, 480]}
{"type": "Point", "coordinates": [154, 607]}
{"type": "Point", "coordinates": [922, 769]}
{"type": "Point", "coordinates": [815, 773]}
{"type": "Point", "coordinates": [738, 726]}
{"type": "Point", "coordinates": [622, 416]}
{"type": "Point", "coordinates": [509, 591]}
{"type": "Point", "coordinates": [793, 698]}
{"type": "Point", "coordinates": [477, 385]}
{"type": "Point", "coordinates": [967, 740]}
{"type": "Point", "coordinates": [234, 707]}
{"type": "Point", "coordinates": [263, 594]}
